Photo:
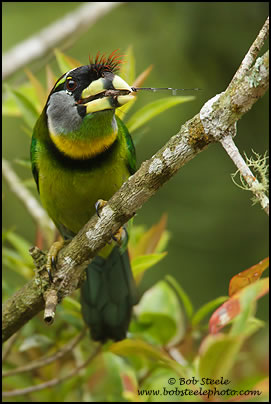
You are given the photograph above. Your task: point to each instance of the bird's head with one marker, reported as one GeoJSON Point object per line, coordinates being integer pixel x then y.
{"type": "Point", "coordinates": [80, 108]}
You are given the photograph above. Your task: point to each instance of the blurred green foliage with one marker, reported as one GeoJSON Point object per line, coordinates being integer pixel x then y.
{"type": "Point", "coordinates": [215, 233]}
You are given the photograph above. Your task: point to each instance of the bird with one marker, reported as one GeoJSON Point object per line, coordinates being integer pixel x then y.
{"type": "Point", "coordinates": [81, 153]}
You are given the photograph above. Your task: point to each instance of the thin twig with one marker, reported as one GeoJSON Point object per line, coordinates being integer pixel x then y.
{"type": "Point", "coordinates": [55, 381]}
{"type": "Point", "coordinates": [253, 184]}
{"type": "Point", "coordinates": [49, 359]}
{"type": "Point", "coordinates": [38, 45]}
{"type": "Point", "coordinates": [9, 346]}
{"type": "Point", "coordinates": [31, 204]}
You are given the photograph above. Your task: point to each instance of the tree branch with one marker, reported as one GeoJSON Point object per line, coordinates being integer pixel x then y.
{"type": "Point", "coordinates": [56, 381]}
{"type": "Point", "coordinates": [251, 55]}
{"type": "Point", "coordinates": [38, 363]}
{"type": "Point", "coordinates": [37, 46]}
{"type": "Point", "coordinates": [216, 120]}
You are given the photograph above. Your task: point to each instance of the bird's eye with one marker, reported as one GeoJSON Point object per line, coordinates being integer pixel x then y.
{"type": "Point", "coordinates": [71, 85]}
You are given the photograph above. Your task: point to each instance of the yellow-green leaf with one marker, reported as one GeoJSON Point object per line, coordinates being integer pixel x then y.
{"type": "Point", "coordinates": [40, 91]}
{"type": "Point", "coordinates": [142, 77]}
{"type": "Point", "coordinates": [10, 107]}
{"type": "Point", "coordinates": [50, 79]}
{"type": "Point", "coordinates": [188, 306]}
{"type": "Point", "coordinates": [160, 308]}
{"type": "Point", "coordinates": [65, 62]}
{"type": "Point", "coordinates": [153, 109]}
{"type": "Point", "coordinates": [20, 245]}
{"type": "Point", "coordinates": [149, 241]}
{"type": "Point", "coordinates": [247, 298]}
{"type": "Point", "coordinates": [207, 308]}
{"type": "Point", "coordinates": [122, 111]}
{"type": "Point", "coordinates": [13, 260]}
{"type": "Point", "coordinates": [29, 112]}
{"type": "Point", "coordinates": [218, 354]}
{"type": "Point", "coordinates": [129, 347]}
{"type": "Point", "coordinates": [127, 68]}
{"type": "Point", "coordinates": [141, 263]}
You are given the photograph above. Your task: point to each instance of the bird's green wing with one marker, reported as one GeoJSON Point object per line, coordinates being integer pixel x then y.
{"type": "Point", "coordinates": [35, 170]}
{"type": "Point", "coordinates": [40, 131]}
{"type": "Point", "coordinates": [131, 154]}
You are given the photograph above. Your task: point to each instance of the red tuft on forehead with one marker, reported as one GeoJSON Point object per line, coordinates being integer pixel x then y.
{"type": "Point", "coordinates": [109, 64]}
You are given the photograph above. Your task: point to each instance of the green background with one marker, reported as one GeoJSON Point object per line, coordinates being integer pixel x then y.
{"type": "Point", "coordinates": [215, 231]}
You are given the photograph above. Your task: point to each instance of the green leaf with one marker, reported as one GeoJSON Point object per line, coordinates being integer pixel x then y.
{"type": "Point", "coordinates": [50, 79]}
{"type": "Point", "coordinates": [72, 306]}
{"type": "Point", "coordinates": [17, 259]}
{"type": "Point", "coordinates": [153, 109]}
{"type": "Point", "coordinates": [141, 263]}
{"type": "Point", "coordinates": [105, 377]}
{"type": "Point", "coordinates": [188, 306]}
{"type": "Point", "coordinates": [156, 382]}
{"type": "Point", "coordinates": [163, 242]}
{"type": "Point", "coordinates": [129, 347]}
{"type": "Point", "coordinates": [148, 242]}
{"type": "Point", "coordinates": [219, 353]}
{"type": "Point", "coordinates": [252, 325]}
{"type": "Point", "coordinates": [206, 309]}
{"type": "Point", "coordinates": [65, 63]}
{"type": "Point", "coordinates": [122, 111]}
{"type": "Point", "coordinates": [10, 106]}
{"type": "Point", "coordinates": [142, 77]}
{"type": "Point", "coordinates": [247, 299]}
{"type": "Point", "coordinates": [127, 73]}
{"type": "Point", "coordinates": [159, 307]}
{"type": "Point", "coordinates": [29, 112]}
{"type": "Point", "coordinates": [160, 327]}
{"type": "Point", "coordinates": [37, 86]}
{"type": "Point", "coordinates": [20, 245]}
{"type": "Point", "coordinates": [11, 259]}
{"type": "Point", "coordinates": [127, 69]}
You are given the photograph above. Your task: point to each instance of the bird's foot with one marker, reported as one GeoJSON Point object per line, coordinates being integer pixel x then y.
{"type": "Point", "coordinates": [121, 237]}
{"type": "Point", "coordinates": [99, 205]}
{"type": "Point", "coordinates": [52, 257]}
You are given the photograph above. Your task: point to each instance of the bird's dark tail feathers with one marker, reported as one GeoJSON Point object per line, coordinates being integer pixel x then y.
{"type": "Point", "coordinates": [108, 295]}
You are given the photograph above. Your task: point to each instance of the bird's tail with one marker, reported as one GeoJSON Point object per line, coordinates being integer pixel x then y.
{"type": "Point", "coordinates": [107, 296]}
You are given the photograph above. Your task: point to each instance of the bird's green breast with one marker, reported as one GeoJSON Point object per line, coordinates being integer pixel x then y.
{"type": "Point", "coordinates": [69, 188]}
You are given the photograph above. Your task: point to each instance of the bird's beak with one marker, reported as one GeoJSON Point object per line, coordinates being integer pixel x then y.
{"type": "Point", "coordinates": [105, 93]}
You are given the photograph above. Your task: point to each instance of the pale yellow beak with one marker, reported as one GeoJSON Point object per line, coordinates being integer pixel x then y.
{"type": "Point", "coordinates": [111, 99]}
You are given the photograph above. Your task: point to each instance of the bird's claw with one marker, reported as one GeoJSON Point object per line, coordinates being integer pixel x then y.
{"type": "Point", "coordinates": [121, 237]}
{"type": "Point", "coordinates": [52, 257]}
{"type": "Point", "coordinates": [99, 205]}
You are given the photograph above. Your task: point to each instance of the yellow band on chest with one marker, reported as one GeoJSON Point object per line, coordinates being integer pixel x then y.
{"type": "Point", "coordinates": [82, 149]}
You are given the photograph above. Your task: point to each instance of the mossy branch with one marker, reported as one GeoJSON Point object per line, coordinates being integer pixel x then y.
{"type": "Point", "coordinates": [216, 121]}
